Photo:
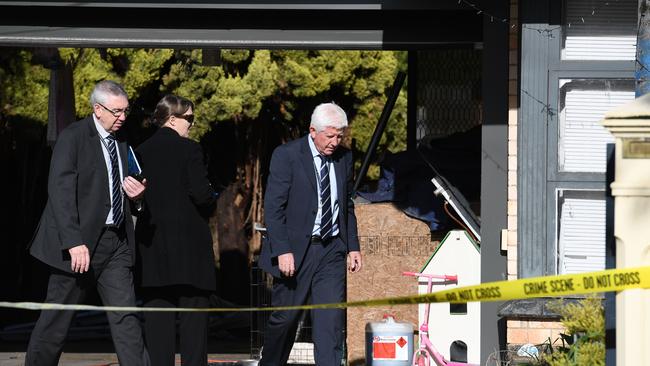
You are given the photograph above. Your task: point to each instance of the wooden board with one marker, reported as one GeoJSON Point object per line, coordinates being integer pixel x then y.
{"type": "Point", "coordinates": [391, 243]}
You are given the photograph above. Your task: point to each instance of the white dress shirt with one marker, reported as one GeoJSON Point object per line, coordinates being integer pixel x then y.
{"type": "Point", "coordinates": [107, 159]}
{"type": "Point", "coordinates": [333, 189]}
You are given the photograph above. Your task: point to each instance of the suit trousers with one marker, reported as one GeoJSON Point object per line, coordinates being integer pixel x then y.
{"type": "Point", "coordinates": [111, 272]}
{"type": "Point", "coordinates": [160, 327]}
{"type": "Point", "coordinates": [321, 276]}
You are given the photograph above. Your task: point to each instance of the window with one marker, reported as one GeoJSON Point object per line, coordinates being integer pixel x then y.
{"type": "Point", "coordinates": [458, 309]}
{"type": "Point", "coordinates": [579, 175]}
{"type": "Point", "coordinates": [583, 103]}
{"type": "Point", "coordinates": [599, 30]}
{"type": "Point", "coordinates": [581, 232]}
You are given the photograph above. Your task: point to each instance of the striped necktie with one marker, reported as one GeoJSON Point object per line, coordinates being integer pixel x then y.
{"type": "Point", "coordinates": [116, 188]}
{"type": "Point", "coordinates": [326, 200]}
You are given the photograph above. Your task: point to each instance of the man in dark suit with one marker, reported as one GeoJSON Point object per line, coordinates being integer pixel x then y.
{"type": "Point", "coordinates": [311, 227]}
{"type": "Point", "coordinates": [86, 231]}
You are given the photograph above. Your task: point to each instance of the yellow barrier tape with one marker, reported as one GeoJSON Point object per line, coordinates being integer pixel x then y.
{"type": "Point", "coordinates": [548, 286]}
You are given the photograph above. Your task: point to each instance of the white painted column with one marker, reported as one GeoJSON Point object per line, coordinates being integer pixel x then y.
{"type": "Point", "coordinates": [630, 125]}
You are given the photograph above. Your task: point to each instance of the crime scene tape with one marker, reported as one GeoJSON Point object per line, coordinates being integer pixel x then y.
{"type": "Point", "coordinates": [547, 286]}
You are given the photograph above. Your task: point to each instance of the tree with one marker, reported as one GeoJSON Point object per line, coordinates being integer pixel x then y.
{"type": "Point", "coordinates": [24, 86]}
{"type": "Point", "coordinates": [246, 105]}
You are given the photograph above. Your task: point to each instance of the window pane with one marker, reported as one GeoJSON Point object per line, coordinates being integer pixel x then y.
{"type": "Point", "coordinates": [600, 30]}
{"type": "Point", "coordinates": [581, 233]}
{"type": "Point", "coordinates": [582, 140]}
{"type": "Point", "coordinates": [458, 308]}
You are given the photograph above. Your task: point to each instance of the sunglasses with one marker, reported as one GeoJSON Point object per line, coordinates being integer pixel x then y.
{"type": "Point", "coordinates": [188, 117]}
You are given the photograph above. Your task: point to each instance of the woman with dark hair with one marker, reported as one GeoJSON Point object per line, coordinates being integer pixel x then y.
{"type": "Point", "coordinates": [176, 262]}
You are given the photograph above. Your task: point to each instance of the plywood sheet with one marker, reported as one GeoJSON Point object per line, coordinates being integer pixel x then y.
{"type": "Point", "coordinates": [391, 242]}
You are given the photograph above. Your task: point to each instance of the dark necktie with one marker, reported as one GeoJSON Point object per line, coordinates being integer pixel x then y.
{"type": "Point", "coordinates": [116, 186]}
{"type": "Point", "coordinates": [326, 200]}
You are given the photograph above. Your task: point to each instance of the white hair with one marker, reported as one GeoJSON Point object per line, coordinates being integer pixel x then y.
{"type": "Point", "coordinates": [328, 115]}
{"type": "Point", "coordinates": [105, 88]}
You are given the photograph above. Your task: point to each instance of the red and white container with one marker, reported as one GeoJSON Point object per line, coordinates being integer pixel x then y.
{"type": "Point", "coordinates": [389, 343]}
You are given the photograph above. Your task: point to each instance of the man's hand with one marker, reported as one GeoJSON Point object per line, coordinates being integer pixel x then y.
{"type": "Point", "coordinates": [285, 262]}
{"type": "Point", "coordinates": [354, 261]}
{"type": "Point", "coordinates": [133, 188]}
{"type": "Point", "coordinates": [80, 258]}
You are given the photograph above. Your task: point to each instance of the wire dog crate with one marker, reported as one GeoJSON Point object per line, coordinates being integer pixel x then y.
{"type": "Point", "coordinates": [260, 290]}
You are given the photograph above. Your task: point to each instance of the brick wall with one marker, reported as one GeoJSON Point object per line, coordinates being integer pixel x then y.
{"type": "Point", "coordinates": [513, 92]}
{"type": "Point", "coordinates": [533, 331]}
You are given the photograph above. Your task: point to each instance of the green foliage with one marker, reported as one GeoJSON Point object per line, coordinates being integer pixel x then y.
{"type": "Point", "coordinates": [135, 69]}
{"type": "Point", "coordinates": [88, 69]}
{"type": "Point", "coordinates": [140, 66]}
{"type": "Point", "coordinates": [222, 93]}
{"type": "Point", "coordinates": [238, 88]}
{"type": "Point", "coordinates": [585, 321]}
{"type": "Point", "coordinates": [235, 56]}
{"type": "Point", "coordinates": [24, 87]}
{"type": "Point", "coordinates": [362, 79]}
{"type": "Point", "coordinates": [293, 81]}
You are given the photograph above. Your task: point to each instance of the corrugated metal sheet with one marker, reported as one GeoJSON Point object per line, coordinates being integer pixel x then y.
{"type": "Point", "coordinates": [600, 30]}
{"type": "Point", "coordinates": [582, 235]}
{"type": "Point", "coordinates": [583, 140]}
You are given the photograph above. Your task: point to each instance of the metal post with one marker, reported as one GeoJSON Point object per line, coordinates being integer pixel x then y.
{"type": "Point", "coordinates": [379, 130]}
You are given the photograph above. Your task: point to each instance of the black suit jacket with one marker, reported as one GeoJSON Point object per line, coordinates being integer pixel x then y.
{"type": "Point", "coordinates": [291, 203]}
{"type": "Point", "coordinates": [78, 196]}
{"type": "Point", "coordinates": [174, 240]}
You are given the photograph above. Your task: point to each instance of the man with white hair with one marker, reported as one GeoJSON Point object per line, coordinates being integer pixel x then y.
{"type": "Point", "coordinates": [311, 228]}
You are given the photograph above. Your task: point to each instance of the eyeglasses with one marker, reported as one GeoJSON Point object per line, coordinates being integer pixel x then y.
{"type": "Point", "coordinates": [188, 117]}
{"type": "Point", "coordinates": [116, 112]}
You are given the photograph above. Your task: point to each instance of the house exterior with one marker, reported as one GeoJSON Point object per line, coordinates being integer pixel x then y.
{"type": "Point", "coordinates": [549, 69]}
{"type": "Point", "coordinates": [576, 61]}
